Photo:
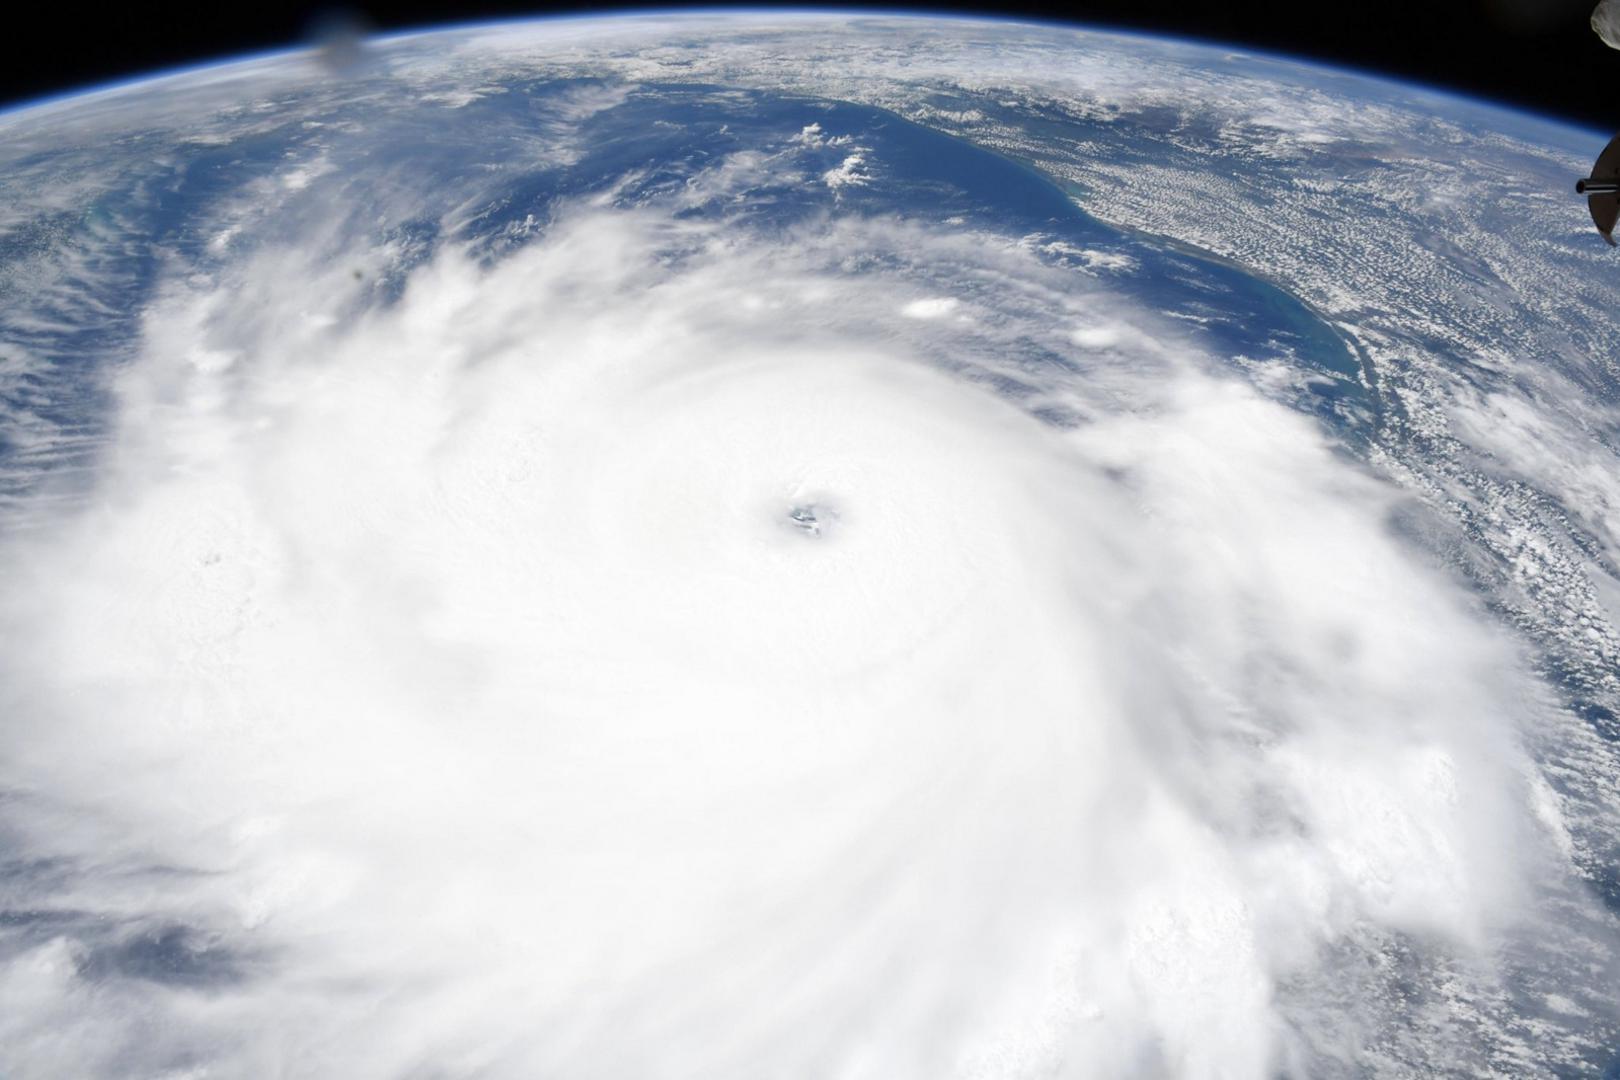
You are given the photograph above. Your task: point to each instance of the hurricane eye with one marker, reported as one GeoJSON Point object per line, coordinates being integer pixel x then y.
{"type": "Point", "coordinates": [811, 519]}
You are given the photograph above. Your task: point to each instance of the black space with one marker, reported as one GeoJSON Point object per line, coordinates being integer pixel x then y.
{"type": "Point", "coordinates": [1539, 54]}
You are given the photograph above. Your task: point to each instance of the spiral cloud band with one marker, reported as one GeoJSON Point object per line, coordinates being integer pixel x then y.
{"type": "Point", "coordinates": [684, 646]}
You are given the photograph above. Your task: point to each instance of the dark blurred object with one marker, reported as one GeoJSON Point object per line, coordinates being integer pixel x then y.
{"type": "Point", "coordinates": [339, 38]}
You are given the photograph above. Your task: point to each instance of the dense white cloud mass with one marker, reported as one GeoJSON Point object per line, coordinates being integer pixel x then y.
{"type": "Point", "coordinates": [671, 641]}
{"type": "Point", "coordinates": [652, 655]}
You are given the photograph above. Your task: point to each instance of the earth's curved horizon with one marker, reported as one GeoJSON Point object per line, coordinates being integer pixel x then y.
{"type": "Point", "coordinates": [777, 542]}
{"type": "Point", "coordinates": [347, 34]}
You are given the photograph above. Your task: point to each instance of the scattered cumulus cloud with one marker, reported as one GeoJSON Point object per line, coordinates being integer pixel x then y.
{"type": "Point", "coordinates": [849, 173]}
{"type": "Point", "coordinates": [811, 135]}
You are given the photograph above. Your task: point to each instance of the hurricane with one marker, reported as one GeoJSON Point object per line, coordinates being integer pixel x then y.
{"type": "Point", "coordinates": [675, 575]}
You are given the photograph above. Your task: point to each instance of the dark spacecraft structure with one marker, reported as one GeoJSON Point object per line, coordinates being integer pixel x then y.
{"type": "Point", "coordinates": [1602, 189]}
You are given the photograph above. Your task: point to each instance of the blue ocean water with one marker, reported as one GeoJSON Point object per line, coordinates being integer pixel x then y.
{"type": "Point", "coordinates": [644, 148]}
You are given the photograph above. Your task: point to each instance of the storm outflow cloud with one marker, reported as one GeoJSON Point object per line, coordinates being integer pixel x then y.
{"type": "Point", "coordinates": [673, 650]}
